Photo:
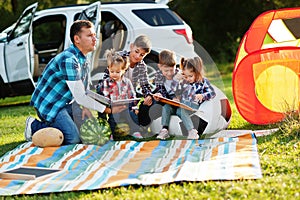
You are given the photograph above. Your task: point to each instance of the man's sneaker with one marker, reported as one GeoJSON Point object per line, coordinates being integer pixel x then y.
{"type": "Point", "coordinates": [137, 135]}
{"type": "Point", "coordinates": [163, 134]}
{"type": "Point", "coordinates": [193, 135]}
{"type": "Point", "coordinates": [28, 132]}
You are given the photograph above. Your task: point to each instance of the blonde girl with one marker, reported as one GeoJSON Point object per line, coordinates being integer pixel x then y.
{"type": "Point", "coordinates": [116, 87]}
{"type": "Point", "coordinates": [200, 88]}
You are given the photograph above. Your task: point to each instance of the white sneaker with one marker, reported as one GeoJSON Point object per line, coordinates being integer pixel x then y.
{"type": "Point", "coordinates": [193, 135]}
{"type": "Point", "coordinates": [137, 135]}
{"type": "Point", "coordinates": [28, 132]}
{"type": "Point", "coordinates": [163, 134]}
{"type": "Point", "coordinates": [111, 137]}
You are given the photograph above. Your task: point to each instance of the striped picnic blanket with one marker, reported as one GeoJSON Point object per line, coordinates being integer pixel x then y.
{"type": "Point", "coordinates": [122, 163]}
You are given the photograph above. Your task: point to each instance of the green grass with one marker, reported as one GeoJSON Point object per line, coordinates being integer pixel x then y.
{"type": "Point", "coordinates": [279, 158]}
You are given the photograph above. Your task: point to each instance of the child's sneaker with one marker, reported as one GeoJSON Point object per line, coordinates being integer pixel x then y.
{"type": "Point", "coordinates": [28, 131]}
{"type": "Point", "coordinates": [111, 137]}
{"type": "Point", "coordinates": [193, 134]}
{"type": "Point", "coordinates": [137, 135]}
{"type": "Point", "coordinates": [163, 134]}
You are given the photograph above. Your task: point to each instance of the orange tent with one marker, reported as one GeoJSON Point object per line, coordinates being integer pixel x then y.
{"type": "Point", "coordinates": [266, 72]}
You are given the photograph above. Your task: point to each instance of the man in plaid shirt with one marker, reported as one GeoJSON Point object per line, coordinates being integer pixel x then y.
{"type": "Point", "coordinates": [52, 98]}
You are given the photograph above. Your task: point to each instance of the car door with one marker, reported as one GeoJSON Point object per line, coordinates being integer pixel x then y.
{"type": "Point", "coordinates": [18, 50]}
{"type": "Point", "coordinates": [92, 13]}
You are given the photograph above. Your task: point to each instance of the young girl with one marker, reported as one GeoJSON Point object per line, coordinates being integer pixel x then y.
{"type": "Point", "coordinates": [117, 87]}
{"type": "Point", "coordinates": [198, 91]}
{"type": "Point", "coordinates": [200, 88]}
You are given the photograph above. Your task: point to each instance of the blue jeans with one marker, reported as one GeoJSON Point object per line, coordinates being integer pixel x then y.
{"type": "Point", "coordinates": [64, 122]}
{"type": "Point", "coordinates": [126, 116]}
{"type": "Point", "coordinates": [183, 114]}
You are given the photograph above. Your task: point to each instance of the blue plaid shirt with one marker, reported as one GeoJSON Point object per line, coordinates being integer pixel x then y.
{"type": "Point", "coordinates": [52, 93]}
{"type": "Point", "coordinates": [201, 87]}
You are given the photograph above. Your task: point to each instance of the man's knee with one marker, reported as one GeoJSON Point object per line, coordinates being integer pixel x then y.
{"type": "Point", "coordinates": [74, 139]}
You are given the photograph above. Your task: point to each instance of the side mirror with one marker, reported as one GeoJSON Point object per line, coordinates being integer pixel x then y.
{"type": "Point", "coordinates": [3, 37]}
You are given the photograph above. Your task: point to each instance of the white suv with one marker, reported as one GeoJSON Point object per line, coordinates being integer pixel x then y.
{"type": "Point", "coordinates": [29, 44]}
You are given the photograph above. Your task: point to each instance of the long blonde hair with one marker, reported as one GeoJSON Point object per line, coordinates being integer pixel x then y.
{"type": "Point", "coordinates": [195, 65]}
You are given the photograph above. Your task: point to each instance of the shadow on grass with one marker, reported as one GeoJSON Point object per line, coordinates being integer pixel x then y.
{"type": "Point", "coordinates": [8, 147]}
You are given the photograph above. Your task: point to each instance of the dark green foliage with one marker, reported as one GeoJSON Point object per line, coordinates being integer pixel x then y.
{"type": "Point", "coordinates": [217, 25]}
{"type": "Point", "coordinates": [10, 10]}
{"type": "Point", "coordinates": [220, 25]}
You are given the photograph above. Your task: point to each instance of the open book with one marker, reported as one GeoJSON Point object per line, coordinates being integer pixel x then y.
{"type": "Point", "coordinates": [27, 173]}
{"type": "Point", "coordinates": [79, 93]}
{"type": "Point", "coordinates": [173, 103]}
{"type": "Point", "coordinates": [100, 98]}
{"type": "Point", "coordinates": [91, 99]}
{"type": "Point", "coordinates": [106, 101]}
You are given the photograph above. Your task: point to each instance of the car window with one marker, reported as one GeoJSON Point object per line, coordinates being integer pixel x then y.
{"type": "Point", "coordinates": [23, 25]}
{"type": "Point", "coordinates": [55, 25]}
{"type": "Point", "coordinates": [76, 16]}
{"type": "Point", "coordinates": [158, 17]}
{"type": "Point", "coordinates": [91, 13]}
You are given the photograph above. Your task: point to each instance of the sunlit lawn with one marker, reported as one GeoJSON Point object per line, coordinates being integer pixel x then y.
{"type": "Point", "coordinates": [279, 157]}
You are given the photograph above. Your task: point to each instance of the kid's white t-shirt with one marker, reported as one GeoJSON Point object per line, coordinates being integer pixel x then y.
{"type": "Point", "coordinates": [168, 86]}
{"type": "Point", "coordinates": [128, 73]}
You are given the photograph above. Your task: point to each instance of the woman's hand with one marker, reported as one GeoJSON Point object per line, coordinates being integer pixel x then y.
{"type": "Point", "coordinates": [148, 101]}
{"type": "Point", "coordinates": [117, 109]}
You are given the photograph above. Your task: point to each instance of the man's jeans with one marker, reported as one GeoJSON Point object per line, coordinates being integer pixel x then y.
{"type": "Point", "coordinates": [64, 122]}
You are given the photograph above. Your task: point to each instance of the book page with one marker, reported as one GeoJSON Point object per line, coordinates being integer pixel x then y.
{"type": "Point", "coordinates": [102, 99]}
{"type": "Point", "coordinates": [174, 103]}
{"type": "Point", "coordinates": [123, 101]}
{"type": "Point", "coordinates": [106, 101]}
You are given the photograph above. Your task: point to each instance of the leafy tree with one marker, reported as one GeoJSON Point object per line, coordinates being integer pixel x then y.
{"type": "Point", "coordinates": [10, 10]}
{"type": "Point", "coordinates": [219, 25]}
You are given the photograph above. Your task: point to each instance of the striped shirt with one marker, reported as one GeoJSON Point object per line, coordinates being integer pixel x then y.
{"type": "Point", "coordinates": [52, 93]}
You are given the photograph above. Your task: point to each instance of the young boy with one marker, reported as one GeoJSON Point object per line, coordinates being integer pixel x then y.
{"type": "Point", "coordinates": [168, 81]}
{"type": "Point", "coordinates": [137, 73]}
{"type": "Point", "coordinates": [164, 77]}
